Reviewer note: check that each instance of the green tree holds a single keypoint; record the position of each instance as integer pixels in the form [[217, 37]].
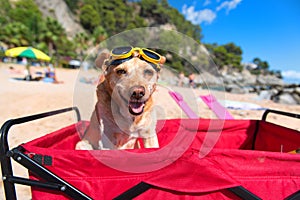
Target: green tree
[[16, 34], [261, 65], [220, 56], [66, 48], [232, 48], [4, 11], [116, 16], [226, 55], [148, 7], [109, 22], [81, 43], [73, 4], [27, 13], [51, 33], [99, 34], [163, 13], [89, 17]]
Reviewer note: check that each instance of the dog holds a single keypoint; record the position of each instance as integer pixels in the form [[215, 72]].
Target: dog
[[124, 110]]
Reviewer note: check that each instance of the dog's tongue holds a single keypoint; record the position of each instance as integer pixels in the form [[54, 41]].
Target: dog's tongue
[[136, 108]]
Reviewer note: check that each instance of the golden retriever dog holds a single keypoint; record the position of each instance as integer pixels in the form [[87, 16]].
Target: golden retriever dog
[[124, 110]]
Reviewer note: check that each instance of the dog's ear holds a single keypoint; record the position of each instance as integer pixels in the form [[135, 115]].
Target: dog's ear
[[162, 60], [101, 60]]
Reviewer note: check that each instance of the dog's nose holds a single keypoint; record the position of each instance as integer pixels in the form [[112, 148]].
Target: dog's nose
[[137, 92]]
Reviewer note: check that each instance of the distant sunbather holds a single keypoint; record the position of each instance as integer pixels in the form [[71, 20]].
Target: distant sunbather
[[13, 70], [50, 75]]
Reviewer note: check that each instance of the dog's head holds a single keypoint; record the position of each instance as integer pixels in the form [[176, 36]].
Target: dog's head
[[131, 82]]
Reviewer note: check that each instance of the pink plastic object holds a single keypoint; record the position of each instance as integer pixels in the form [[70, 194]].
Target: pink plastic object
[[216, 107], [182, 104]]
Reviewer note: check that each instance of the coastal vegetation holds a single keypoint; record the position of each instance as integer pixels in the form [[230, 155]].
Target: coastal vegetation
[[23, 24]]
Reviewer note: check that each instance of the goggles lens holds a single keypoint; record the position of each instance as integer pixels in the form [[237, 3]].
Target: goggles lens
[[121, 50], [151, 54]]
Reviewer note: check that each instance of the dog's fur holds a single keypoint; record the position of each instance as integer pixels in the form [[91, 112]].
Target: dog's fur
[[124, 110]]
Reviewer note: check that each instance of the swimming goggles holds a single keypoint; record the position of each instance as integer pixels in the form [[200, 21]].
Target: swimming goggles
[[122, 54]]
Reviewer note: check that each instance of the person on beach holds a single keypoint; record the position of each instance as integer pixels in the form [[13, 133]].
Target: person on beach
[[191, 80], [50, 75], [181, 78]]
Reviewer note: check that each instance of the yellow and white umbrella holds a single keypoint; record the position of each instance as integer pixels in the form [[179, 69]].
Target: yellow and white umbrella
[[27, 52]]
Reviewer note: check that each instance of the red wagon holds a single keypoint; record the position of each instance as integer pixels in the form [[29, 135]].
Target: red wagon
[[250, 160]]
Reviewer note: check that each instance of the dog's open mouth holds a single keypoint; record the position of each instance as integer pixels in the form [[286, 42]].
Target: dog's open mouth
[[136, 107]]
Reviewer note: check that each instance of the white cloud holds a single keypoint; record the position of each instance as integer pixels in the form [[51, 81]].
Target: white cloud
[[206, 2], [291, 74], [229, 5], [198, 17]]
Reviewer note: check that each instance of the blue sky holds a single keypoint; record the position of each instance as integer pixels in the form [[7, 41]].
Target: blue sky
[[268, 29]]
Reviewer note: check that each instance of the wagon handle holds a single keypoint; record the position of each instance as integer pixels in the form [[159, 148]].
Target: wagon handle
[[6, 166], [264, 117], [8, 124]]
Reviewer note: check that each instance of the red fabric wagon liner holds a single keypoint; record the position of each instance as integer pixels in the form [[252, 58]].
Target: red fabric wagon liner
[[263, 170]]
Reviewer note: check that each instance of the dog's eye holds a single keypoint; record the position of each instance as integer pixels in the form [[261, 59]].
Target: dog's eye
[[121, 71], [148, 72]]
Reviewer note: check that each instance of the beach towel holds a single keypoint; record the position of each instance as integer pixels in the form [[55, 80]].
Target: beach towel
[[238, 105]]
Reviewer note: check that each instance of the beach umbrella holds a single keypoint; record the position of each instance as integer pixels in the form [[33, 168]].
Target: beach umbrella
[[27, 52]]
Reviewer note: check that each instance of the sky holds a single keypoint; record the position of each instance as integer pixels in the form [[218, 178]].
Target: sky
[[267, 29]]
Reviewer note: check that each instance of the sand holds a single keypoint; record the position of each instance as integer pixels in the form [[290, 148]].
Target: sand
[[23, 98]]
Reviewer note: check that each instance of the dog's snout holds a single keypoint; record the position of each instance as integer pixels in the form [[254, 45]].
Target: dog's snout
[[137, 92]]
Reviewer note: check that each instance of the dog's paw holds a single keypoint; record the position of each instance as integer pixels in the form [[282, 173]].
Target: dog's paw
[[83, 145], [151, 142]]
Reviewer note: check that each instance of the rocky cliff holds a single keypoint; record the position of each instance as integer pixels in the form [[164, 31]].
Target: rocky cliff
[[59, 10]]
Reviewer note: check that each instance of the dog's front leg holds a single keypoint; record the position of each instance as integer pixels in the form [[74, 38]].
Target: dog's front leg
[[83, 145], [151, 142], [92, 135]]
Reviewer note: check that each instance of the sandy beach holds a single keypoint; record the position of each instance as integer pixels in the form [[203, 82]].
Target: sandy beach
[[22, 98]]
